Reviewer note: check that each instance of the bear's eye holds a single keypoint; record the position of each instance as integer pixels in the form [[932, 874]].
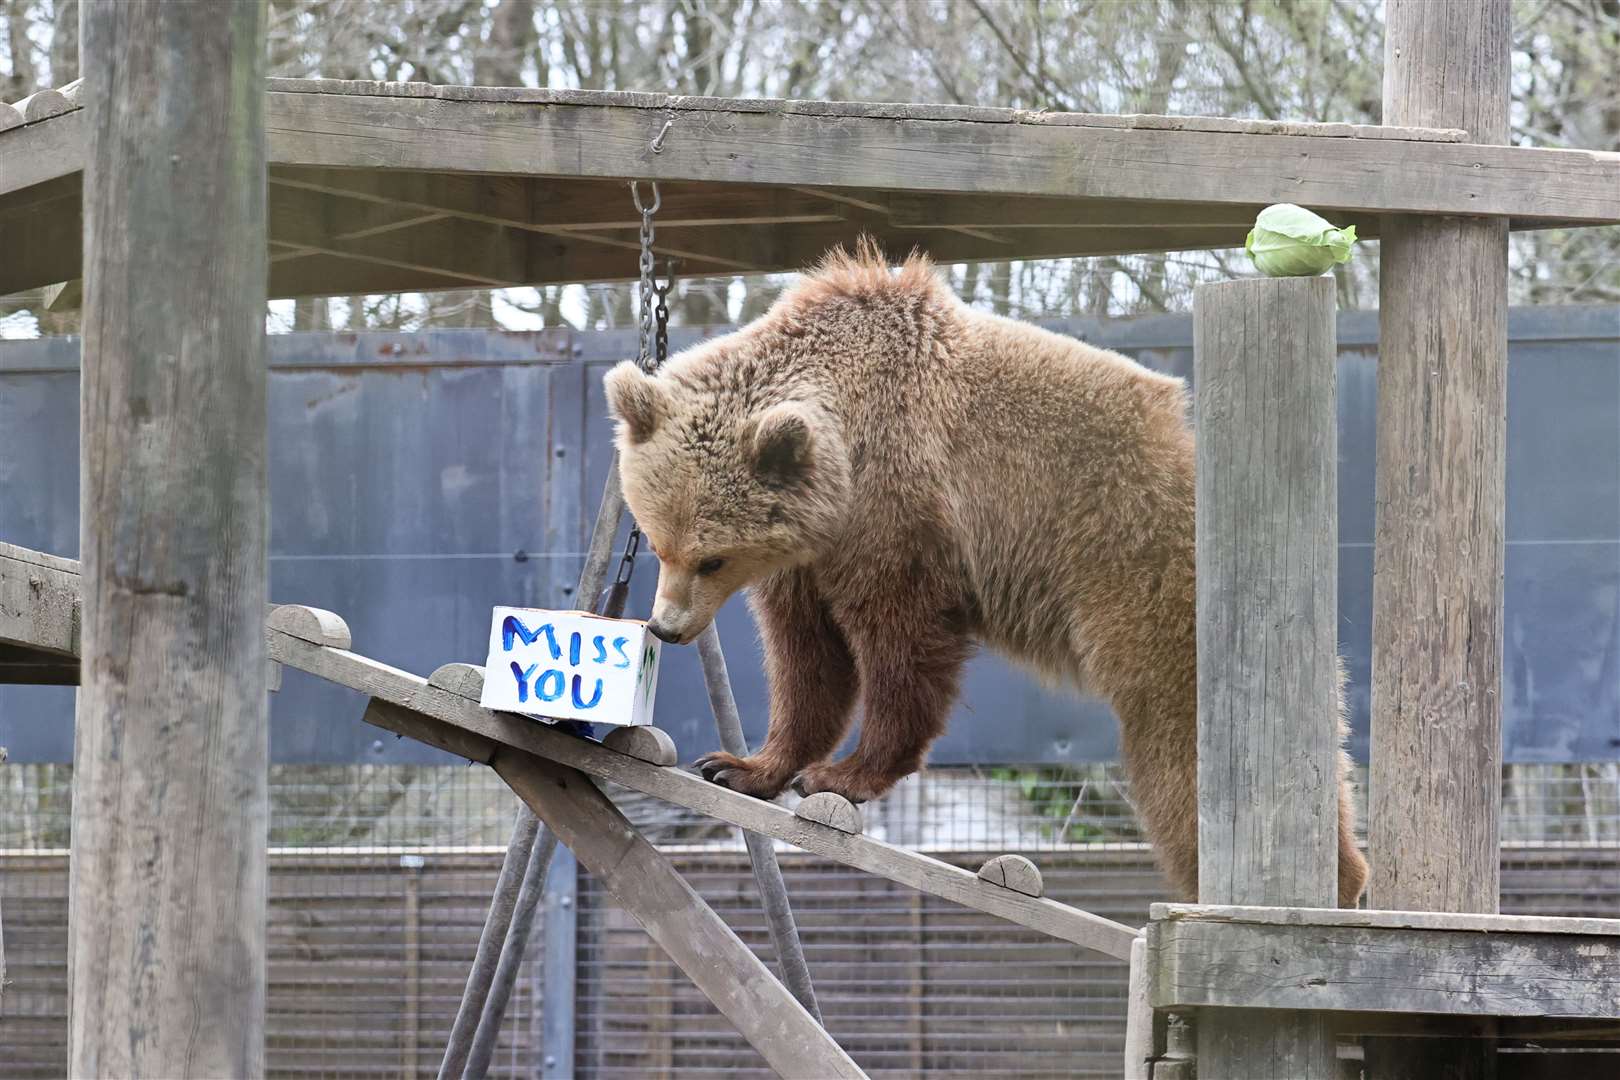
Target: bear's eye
[[710, 566]]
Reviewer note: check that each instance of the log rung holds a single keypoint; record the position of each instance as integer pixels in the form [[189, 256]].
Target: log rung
[[644, 743], [314, 625], [830, 809], [1013, 872]]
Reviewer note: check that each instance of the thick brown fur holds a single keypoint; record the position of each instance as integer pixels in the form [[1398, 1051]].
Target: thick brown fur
[[895, 476]]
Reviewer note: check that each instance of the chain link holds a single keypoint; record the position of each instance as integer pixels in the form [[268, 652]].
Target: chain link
[[644, 355]]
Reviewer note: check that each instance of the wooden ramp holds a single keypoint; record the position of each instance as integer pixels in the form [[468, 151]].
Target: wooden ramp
[[551, 771]]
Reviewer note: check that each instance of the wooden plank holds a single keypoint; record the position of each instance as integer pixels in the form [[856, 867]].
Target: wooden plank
[[685, 789], [609, 140], [48, 231], [1207, 963], [646, 886], [558, 204], [863, 109], [1461, 922], [1267, 532], [38, 593], [170, 805], [35, 153], [36, 667], [990, 212]]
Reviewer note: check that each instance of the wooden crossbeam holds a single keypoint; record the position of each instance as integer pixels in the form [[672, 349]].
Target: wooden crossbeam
[[559, 204], [1384, 961], [608, 136]]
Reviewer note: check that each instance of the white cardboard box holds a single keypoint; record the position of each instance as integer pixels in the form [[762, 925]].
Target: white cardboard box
[[571, 665]]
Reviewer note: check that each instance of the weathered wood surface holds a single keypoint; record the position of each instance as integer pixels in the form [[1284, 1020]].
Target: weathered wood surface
[[37, 600], [832, 810], [649, 744], [646, 886], [42, 105], [170, 807], [1377, 919], [1013, 872], [906, 147], [314, 625], [1267, 533], [1438, 544], [685, 789], [1216, 963]]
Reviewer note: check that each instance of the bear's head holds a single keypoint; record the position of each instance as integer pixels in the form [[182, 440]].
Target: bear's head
[[728, 490]]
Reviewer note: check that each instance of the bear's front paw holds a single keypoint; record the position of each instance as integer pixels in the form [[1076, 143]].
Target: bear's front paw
[[855, 784], [746, 775]]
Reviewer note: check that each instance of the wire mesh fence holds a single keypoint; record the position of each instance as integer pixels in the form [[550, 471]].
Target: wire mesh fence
[[379, 877]]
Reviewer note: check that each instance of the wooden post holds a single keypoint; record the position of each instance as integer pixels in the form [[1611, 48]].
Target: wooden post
[[167, 893], [1435, 784], [1267, 534]]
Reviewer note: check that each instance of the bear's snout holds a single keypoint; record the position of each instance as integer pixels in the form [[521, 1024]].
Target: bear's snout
[[663, 633]]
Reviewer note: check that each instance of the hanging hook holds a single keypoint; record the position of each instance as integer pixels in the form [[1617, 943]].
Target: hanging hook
[[657, 145]]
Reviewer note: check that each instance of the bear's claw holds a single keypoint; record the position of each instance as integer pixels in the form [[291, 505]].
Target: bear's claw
[[734, 773]]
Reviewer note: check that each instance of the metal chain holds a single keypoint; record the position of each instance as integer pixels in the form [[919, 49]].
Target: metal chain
[[661, 316], [653, 351], [644, 355]]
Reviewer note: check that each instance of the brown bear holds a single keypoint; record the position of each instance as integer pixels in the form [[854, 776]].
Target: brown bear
[[895, 476]]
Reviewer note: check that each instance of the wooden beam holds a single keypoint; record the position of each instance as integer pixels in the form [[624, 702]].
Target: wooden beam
[[44, 242], [644, 884], [1383, 962], [561, 204], [166, 953], [608, 136], [914, 211], [475, 253], [20, 665], [39, 600], [686, 789], [1267, 534]]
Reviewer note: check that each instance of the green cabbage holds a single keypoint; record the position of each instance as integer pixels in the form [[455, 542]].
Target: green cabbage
[[1290, 241]]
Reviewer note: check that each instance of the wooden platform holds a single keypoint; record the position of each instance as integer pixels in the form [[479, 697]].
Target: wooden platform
[[1552, 976], [379, 187]]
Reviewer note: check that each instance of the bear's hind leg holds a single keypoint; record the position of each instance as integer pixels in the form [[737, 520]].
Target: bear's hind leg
[[812, 681], [908, 684]]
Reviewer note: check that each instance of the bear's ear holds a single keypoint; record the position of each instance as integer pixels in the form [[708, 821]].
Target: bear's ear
[[637, 400], [784, 444]]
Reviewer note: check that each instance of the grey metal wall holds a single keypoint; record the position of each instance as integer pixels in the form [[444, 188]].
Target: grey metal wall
[[417, 480]]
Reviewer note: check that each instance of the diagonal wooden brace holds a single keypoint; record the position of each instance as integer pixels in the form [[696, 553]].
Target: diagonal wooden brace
[[644, 884], [647, 887]]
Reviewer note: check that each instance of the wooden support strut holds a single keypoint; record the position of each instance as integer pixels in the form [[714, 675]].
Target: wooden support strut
[[1267, 532], [166, 950], [1435, 782]]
